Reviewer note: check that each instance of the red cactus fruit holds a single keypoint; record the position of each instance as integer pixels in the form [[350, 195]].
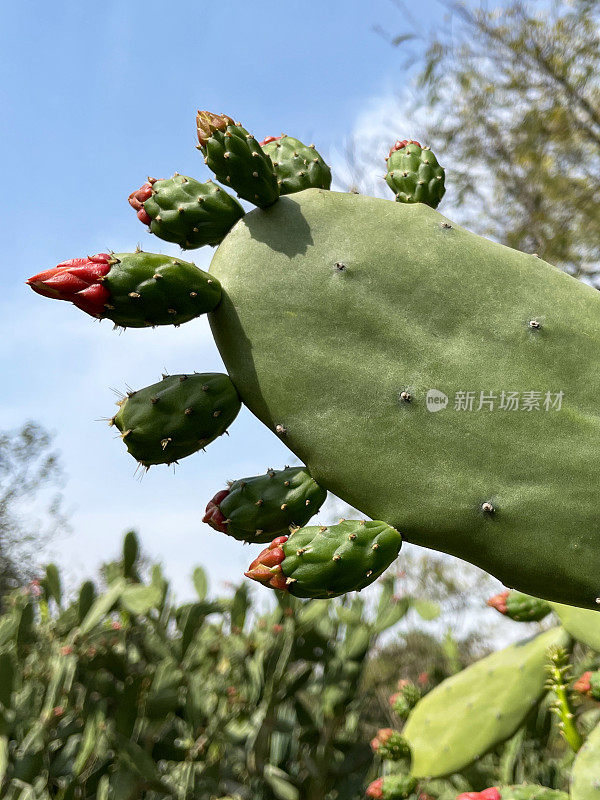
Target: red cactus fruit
[[583, 684], [493, 793], [78, 280], [383, 736], [266, 569], [269, 139], [139, 197], [375, 789], [402, 143], [213, 515], [498, 601]]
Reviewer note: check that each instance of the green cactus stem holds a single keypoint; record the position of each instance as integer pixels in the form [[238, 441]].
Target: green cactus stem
[[559, 674]]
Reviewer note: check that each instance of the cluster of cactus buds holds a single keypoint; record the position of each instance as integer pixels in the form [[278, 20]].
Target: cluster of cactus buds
[[405, 699], [390, 745]]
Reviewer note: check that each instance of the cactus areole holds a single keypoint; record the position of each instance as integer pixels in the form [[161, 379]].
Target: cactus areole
[[429, 377]]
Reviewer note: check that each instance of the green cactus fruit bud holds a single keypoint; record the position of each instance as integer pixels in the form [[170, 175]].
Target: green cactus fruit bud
[[520, 607], [589, 684], [323, 562], [134, 290], [260, 508], [390, 745], [406, 698], [185, 211], [176, 417], [414, 175], [237, 159], [391, 787], [585, 778], [297, 165]]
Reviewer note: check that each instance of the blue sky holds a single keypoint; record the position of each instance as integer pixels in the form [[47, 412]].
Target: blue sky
[[95, 97]]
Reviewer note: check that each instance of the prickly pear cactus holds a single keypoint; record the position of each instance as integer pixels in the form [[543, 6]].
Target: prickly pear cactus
[[261, 508], [346, 321], [471, 712], [585, 778], [414, 175], [134, 290]]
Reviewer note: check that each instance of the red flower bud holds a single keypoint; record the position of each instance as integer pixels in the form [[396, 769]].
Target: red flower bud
[[139, 197], [78, 280], [583, 684], [498, 602], [375, 789], [266, 569], [402, 143], [207, 123], [213, 515], [492, 793], [269, 139]]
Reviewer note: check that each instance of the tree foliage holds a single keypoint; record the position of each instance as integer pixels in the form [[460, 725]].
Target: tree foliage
[[30, 505], [513, 108]]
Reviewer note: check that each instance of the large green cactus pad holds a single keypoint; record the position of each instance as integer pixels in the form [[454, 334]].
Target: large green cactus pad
[[585, 778], [581, 623], [341, 312], [471, 712]]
